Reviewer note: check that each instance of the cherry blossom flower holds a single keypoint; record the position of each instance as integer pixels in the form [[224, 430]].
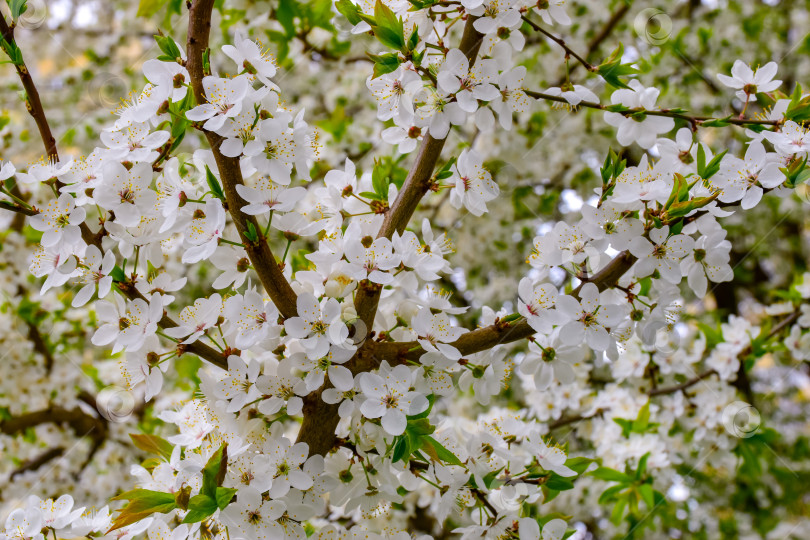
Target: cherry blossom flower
[[436, 332], [127, 324], [249, 56], [744, 179], [59, 221], [468, 84], [640, 129], [224, 100], [748, 81], [318, 325], [253, 319], [204, 231], [252, 517], [197, 318], [127, 192], [237, 387], [661, 252], [474, 186], [268, 196], [96, 274], [389, 398], [590, 318]]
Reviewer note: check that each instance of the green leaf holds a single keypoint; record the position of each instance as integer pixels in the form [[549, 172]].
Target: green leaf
[[350, 11], [611, 493], [799, 108], [213, 184], [713, 166], [251, 234], [167, 45], [118, 274], [618, 511], [147, 8], [401, 449], [420, 426], [612, 69], [17, 8], [716, 122], [142, 504], [371, 195], [642, 466], [285, 14], [388, 28], [683, 208], [578, 464], [647, 496], [611, 475], [559, 483], [643, 420], [214, 472], [199, 508], [225, 496], [380, 181], [442, 453], [384, 63], [413, 41], [152, 444]]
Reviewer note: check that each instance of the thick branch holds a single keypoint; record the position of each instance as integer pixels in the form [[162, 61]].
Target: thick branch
[[499, 333], [34, 106], [262, 258], [415, 187], [82, 424], [320, 418], [37, 462], [40, 345]]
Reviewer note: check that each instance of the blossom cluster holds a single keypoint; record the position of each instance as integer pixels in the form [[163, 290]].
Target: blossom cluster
[[348, 329]]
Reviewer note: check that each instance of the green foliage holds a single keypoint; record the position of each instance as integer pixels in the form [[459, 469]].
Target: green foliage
[[142, 504], [168, 47], [17, 7], [152, 444], [639, 425], [213, 184], [613, 71], [631, 490]]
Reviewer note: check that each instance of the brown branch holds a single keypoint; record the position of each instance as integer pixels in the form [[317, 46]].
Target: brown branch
[[38, 461], [13, 207], [598, 39], [671, 113], [320, 418], [32, 101], [559, 41], [683, 386], [781, 325], [568, 420], [262, 258], [34, 106], [40, 346], [198, 347], [501, 332], [82, 424], [415, 187]]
